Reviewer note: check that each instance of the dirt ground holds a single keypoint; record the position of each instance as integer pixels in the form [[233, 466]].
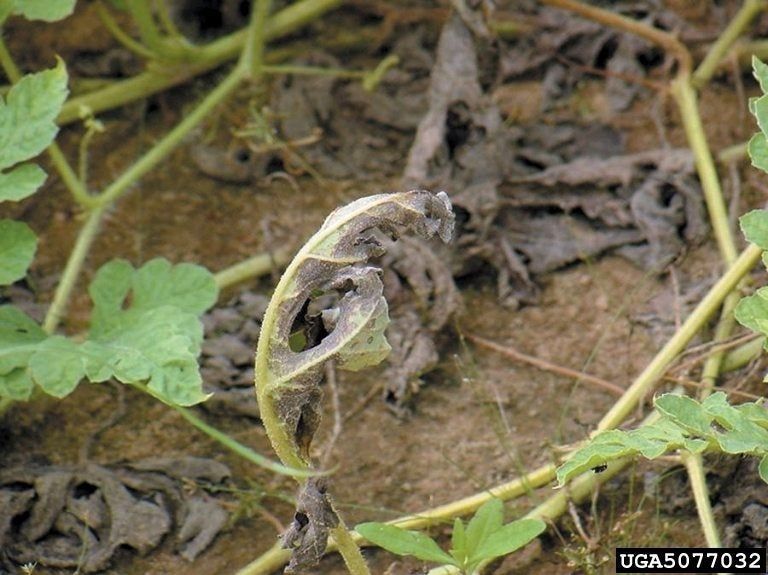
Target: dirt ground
[[479, 418]]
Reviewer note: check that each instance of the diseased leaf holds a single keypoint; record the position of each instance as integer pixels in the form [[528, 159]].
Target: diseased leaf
[[28, 115], [507, 539], [307, 536], [45, 10], [403, 542], [17, 249], [332, 261], [21, 182]]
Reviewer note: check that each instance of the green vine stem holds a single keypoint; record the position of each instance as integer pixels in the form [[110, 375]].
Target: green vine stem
[[686, 99], [72, 270], [119, 34], [256, 266], [706, 308], [142, 15], [698, 479], [253, 52], [742, 355], [277, 556], [200, 60], [743, 18], [235, 446]]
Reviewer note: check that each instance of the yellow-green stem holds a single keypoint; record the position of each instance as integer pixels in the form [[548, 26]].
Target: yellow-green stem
[[253, 53], [256, 266], [748, 11], [349, 550], [119, 34], [685, 96], [199, 60], [276, 557], [695, 468], [72, 270], [700, 315]]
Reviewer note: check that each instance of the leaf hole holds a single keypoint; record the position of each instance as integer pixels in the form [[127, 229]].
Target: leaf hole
[[83, 490]]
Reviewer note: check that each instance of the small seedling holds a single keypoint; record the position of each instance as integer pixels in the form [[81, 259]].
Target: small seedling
[[482, 540]]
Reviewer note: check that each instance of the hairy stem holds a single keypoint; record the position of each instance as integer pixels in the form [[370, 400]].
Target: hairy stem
[[698, 478], [233, 445]]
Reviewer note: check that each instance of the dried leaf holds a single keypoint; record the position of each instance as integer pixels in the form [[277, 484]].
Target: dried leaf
[[307, 536], [80, 516], [331, 261]]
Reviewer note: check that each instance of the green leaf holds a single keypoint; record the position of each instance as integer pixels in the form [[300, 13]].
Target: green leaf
[[145, 327], [760, 72], [752, 311], [57, 366], [159, 346], [17, 249], [487, 519], [754, 226], [20, 182], [459, 550], [763, 468], [685, 412], [757, 148], [739, 434], [188, 287], [16, 385], [403, 542], [19, 336], [28, 115], [509, 538], [46, 10]]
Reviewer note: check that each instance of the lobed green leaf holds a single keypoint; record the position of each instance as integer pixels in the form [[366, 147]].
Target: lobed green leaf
[[45, 10], [28, 115], [19, 336], [684, 424], [20, 182], [18, 244], [754, 226]]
